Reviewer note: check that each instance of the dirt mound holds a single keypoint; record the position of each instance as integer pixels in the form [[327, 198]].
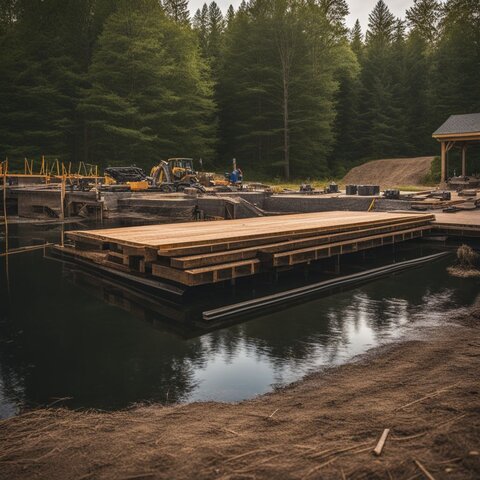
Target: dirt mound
[[390, 172], [326, 426]]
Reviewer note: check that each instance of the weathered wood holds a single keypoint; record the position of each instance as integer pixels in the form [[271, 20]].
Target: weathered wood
[[381, 443], [213, 274], [305, 255], [443, 175], [263, 240], [239, 248], [196, 261], [168, 236]]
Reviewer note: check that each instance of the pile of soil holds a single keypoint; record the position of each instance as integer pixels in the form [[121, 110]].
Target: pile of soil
[[391, 172], [425, 391]]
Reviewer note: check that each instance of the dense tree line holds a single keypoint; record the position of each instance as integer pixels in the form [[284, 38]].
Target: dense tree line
[[282, 85]]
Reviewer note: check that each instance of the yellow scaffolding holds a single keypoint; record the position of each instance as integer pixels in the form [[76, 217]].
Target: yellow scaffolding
[[52, 170]]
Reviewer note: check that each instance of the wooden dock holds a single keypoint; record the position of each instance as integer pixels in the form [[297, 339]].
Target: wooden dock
[[464, 224], [197, 253]]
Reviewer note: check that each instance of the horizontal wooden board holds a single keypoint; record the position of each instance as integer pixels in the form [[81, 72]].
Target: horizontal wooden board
[[170, 236], [196, 261], [213, 274], [305, 255]]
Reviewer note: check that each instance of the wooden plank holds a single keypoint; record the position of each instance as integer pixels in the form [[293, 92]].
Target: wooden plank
[[196, 261], [262, 240], [306, 255], [197, 233], [226, 271], [213, 274]]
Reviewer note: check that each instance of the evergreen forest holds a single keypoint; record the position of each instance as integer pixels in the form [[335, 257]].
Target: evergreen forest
[[284, 86]]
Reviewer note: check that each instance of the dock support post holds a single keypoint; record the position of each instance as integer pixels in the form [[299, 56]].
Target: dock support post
[[337, 264], [62, 199], [443, 175], [464, 162]]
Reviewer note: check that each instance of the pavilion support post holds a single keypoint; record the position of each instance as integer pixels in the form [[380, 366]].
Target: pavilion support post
[[443, 176], [464, 160]]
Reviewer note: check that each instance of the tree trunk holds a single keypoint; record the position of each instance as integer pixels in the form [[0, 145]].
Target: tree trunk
[[286, 134]]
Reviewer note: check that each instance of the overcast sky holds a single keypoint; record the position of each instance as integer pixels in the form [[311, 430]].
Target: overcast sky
[[358, 8]]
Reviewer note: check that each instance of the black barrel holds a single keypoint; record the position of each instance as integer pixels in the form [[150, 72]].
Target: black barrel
[[333, 188], [368, 190], [351, 189]]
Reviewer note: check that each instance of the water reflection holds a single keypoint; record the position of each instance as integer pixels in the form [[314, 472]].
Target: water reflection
[[65, 332]]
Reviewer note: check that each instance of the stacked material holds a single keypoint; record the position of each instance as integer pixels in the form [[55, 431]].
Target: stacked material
[[197, 253]]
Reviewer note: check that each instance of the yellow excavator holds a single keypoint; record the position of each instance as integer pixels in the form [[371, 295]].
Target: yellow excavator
[[174, 175]]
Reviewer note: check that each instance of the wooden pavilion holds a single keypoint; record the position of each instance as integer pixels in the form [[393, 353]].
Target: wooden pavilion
[[458, 131]]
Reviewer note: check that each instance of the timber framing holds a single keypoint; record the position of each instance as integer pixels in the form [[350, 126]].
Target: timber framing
[[199, 253], [457, 131]]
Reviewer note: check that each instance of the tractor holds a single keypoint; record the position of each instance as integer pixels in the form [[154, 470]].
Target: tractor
[[174, 175]]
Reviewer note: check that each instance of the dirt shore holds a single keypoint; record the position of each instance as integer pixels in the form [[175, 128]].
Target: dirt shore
[[427, 392]]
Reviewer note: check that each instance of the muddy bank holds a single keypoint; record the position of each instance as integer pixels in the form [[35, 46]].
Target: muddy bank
[[426, 391]]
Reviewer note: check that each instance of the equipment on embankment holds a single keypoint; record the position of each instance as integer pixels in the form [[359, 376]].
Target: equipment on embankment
[[126, 178], [175, 175]]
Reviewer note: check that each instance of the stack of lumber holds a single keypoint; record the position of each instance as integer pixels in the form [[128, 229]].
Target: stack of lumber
[[197, 253]]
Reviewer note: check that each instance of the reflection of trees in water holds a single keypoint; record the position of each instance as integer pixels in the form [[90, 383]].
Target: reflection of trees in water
[[75, 345], [12, 389]]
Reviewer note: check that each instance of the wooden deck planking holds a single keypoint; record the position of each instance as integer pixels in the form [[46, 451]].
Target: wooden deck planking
[[199, 260], [196, 253], [212, 274], [195, 233], [305, 255]]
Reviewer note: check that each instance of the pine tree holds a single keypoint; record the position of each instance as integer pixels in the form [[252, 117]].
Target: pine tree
[[423, 18], [345, 151], [381, 24], [230, 15], [46, 54], [150, 97], [356, 39], [377, 126], [455, 85], [216, 25], [278, 84], [335, 12], [177, 10], [200, 25]]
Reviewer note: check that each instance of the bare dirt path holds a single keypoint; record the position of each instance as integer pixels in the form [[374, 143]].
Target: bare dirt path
[[426, 392], [390, 172]]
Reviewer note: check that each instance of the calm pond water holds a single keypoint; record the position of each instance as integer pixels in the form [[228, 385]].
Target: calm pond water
[[66, 333]]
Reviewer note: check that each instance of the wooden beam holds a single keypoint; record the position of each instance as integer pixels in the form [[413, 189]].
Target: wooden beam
[[443, 163], [455, 136], [464, 163], [202, 260]]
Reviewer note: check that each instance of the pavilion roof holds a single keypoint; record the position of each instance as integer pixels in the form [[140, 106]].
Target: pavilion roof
[[459, 124]]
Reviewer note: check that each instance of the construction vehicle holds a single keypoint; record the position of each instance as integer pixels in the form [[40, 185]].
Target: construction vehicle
[[174, 175], [126, 178]]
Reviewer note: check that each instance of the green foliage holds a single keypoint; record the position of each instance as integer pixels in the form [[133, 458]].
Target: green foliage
[[177, 10], [433, 177], [150, 96], [281, 85], [277, 103]]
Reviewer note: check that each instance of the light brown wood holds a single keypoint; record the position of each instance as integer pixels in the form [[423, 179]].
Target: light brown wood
[[443, 162], [381, 443], [199, 260], [195, 233], [225, 250]]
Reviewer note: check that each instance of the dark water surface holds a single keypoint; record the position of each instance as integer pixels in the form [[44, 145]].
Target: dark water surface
[[65, 333]]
